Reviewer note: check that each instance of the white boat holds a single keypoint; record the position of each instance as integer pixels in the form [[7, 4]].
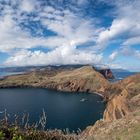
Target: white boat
[[83, 100]]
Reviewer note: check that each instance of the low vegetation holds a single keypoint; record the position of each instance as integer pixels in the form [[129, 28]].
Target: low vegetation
[[16, 133], [22, 130]]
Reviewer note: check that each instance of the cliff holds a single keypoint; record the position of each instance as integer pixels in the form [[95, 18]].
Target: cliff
[[117, 107], [124, 98], [107, 73]]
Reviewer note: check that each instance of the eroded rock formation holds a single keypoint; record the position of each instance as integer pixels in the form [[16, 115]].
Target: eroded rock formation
[[117, 107], [107, 73]]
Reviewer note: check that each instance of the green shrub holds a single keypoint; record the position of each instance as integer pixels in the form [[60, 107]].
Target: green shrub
[[16, 137], [2, 135]]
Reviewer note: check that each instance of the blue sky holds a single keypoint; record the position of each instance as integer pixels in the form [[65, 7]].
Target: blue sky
[[54, 32]]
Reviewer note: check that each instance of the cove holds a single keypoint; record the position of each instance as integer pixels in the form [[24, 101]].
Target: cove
[[64, 110]]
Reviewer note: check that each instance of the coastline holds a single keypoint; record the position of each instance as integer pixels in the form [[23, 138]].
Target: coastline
[[116, 107]]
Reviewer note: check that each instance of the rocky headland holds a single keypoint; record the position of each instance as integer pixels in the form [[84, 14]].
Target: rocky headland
[[123, 98], [84, 79]]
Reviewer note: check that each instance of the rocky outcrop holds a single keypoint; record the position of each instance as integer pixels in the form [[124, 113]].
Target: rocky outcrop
[[107, 73], [117, 107], [123, 98]]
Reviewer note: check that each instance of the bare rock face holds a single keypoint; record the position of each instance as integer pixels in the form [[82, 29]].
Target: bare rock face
[[124, 98], [117, 107], [84, 79], [107, 73]]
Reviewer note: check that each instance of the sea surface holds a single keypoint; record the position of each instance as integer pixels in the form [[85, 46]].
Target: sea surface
[[121, 75], [63, 110]]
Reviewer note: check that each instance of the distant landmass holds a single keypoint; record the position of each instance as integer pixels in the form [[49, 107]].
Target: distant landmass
[[31, 68], [111, 74], [105, 71], [119, 70]]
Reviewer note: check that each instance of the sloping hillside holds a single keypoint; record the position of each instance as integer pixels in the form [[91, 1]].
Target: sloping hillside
[[84, 79]]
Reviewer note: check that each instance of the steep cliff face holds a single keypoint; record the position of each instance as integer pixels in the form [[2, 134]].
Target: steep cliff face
[[84, 79], [117, 107], [107, 73], [124, 98]]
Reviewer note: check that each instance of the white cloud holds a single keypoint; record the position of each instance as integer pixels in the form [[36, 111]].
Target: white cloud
[[82, 2], [113, 55], [125, 28], [116, 66], [71, 27], [27, 5], [13, 37], [126, 24], [125, 51], [132, 41], [128, 51], [71, 30], [61, 55], [68, 28], [117, 28]]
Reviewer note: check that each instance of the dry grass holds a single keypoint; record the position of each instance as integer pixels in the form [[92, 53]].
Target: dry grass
[[24, 131]]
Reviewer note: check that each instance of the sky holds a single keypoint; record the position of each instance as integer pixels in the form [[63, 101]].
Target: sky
[[59, 32]]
